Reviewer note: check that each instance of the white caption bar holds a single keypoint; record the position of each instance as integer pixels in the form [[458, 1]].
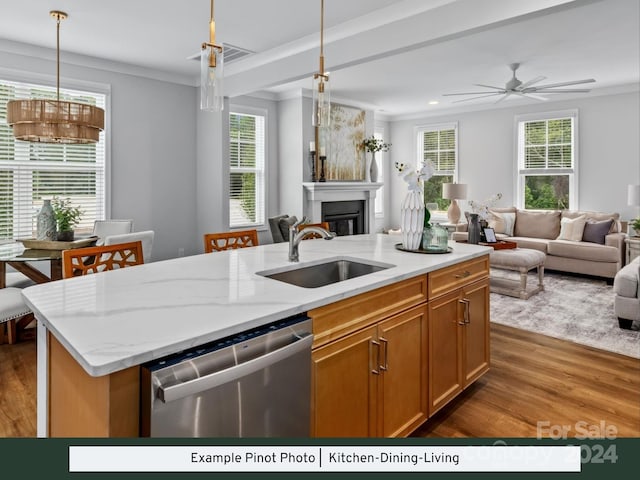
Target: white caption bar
[[324, 459]]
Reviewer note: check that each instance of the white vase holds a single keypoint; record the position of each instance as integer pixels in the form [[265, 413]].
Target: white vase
[[46, 223], [373, 170], [367, 168], [412, 220]]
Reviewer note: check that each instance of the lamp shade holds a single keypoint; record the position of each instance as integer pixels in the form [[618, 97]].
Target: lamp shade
[[633, 196], [454, 191]]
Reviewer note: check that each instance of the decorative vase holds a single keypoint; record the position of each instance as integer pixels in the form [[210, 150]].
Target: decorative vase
[[46, 223], [474, 228], [435, 238], [367, 169], [412, 220], [373, 169]]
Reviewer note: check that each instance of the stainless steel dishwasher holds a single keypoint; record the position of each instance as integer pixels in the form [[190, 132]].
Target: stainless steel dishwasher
[[254, 384]]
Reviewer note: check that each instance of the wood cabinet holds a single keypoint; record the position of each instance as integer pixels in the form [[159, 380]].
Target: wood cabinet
[[372, 383], [458, 341]]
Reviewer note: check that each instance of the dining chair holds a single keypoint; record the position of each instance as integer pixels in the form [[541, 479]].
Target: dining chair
[[81, 261], [104, 228], [14, 314], [216, 242], [146, 237], [310, 235]]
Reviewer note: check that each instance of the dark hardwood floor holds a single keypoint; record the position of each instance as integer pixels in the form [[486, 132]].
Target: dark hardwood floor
[[533, 378]]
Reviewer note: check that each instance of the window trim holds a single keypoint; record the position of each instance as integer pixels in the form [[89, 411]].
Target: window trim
[[256, 111], [40, 81], [520, 172]]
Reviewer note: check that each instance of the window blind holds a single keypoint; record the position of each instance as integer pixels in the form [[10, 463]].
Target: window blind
[[548, 143], [31, 172], [439, 146], [247, 170]]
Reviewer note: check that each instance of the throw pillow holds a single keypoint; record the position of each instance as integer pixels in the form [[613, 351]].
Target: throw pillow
[[502, 222], [572, 228], [595, 232], [538, 224]]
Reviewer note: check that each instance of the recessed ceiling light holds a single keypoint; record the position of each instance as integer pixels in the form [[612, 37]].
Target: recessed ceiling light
[[434, 102]]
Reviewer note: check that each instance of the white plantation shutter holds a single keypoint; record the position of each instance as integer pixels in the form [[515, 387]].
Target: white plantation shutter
[[31, 172], [438, 144], [247, 170]]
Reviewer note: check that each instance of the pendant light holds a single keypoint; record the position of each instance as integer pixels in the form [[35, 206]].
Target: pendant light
[[211, 63], [55, 121], [321, 96]]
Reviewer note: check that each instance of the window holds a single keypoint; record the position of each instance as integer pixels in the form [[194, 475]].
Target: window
[[247, 170], [438, 143], [30, 172], [547, 161]]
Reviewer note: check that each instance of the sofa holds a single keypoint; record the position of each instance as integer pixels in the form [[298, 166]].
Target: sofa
[[582, 242], [626, 302]]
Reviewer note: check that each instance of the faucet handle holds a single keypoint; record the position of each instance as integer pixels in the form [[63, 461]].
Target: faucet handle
[[298, 223]]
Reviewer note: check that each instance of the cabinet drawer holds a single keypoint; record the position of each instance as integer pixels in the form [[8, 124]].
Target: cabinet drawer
[[449, 278], [346, 316]]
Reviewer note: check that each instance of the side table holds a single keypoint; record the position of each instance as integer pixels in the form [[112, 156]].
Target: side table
[[633, 248]]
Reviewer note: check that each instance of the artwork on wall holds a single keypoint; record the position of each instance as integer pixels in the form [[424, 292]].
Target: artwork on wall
[[345, 160]]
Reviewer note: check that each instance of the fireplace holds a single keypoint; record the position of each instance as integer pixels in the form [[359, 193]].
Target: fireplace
[[344, 218], [348, 205]]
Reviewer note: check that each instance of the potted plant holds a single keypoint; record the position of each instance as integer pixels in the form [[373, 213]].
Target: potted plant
[[67, 217], [374, 145], [635, 225]]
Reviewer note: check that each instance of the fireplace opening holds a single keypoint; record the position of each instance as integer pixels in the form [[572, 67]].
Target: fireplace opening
[[344, 218]]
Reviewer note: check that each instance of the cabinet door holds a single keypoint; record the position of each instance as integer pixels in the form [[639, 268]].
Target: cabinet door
[[402, 385], [445, 343], [476, 331], [343, 386]]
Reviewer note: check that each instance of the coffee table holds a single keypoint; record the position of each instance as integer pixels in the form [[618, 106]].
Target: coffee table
[[520, 260]]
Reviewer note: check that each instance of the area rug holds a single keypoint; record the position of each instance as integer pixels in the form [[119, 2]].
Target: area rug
[[573, 308]]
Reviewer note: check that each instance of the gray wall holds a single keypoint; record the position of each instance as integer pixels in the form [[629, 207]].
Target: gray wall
[[152, 148], [609, 152]]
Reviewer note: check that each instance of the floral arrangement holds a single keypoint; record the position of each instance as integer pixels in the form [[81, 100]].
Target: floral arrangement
[[413, 177], [482, 208], [373, 144]]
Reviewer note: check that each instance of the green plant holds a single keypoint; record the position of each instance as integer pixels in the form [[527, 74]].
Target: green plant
[[66, 215], [635, 223], [373, 144]]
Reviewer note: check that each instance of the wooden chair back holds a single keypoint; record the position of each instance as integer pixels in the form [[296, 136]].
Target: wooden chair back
[[324, 225], [81, 261], [216, 242]]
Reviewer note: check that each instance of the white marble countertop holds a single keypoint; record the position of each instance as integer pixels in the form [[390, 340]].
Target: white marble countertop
[[113, 320]]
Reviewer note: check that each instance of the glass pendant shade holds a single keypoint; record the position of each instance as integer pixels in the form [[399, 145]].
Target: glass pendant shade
[[321, 101], [211, 78]]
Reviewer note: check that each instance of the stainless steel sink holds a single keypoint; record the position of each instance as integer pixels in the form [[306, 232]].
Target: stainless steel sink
[[326, 273]]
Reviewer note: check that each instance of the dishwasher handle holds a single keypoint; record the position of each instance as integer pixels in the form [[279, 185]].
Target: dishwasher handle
[[192, 387]]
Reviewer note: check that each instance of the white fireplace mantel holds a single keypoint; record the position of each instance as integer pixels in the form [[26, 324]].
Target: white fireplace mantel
[[318, 192]]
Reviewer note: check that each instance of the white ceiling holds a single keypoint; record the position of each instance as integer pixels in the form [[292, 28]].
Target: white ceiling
[[393, 56]]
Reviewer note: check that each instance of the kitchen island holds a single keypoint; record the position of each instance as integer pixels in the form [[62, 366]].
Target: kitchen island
[[95, 331]]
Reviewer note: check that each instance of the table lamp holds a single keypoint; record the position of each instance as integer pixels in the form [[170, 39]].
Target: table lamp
[[453, 192], [633, 200]]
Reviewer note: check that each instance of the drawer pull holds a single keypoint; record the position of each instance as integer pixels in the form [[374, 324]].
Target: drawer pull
[[464, 274], [385, 364], [467, 314]]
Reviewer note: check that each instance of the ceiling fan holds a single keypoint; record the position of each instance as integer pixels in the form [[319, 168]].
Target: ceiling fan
[[526, 89]]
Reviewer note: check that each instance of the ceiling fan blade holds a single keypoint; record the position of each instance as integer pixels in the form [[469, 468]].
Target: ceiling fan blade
[[502, 98], [489, 86], [531, 95], [560, 90], [564, 84], [475, 98], [468, 93], [531, 82]]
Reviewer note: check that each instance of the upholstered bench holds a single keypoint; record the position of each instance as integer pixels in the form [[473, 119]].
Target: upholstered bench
[[521, 260], [627, 289]]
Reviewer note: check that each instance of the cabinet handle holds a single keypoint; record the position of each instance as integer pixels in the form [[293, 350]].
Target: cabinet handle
[[467, 314], [371, 345], [464, 274], [385, 365]]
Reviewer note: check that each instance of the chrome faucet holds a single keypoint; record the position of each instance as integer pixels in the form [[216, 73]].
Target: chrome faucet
[[295, 237]]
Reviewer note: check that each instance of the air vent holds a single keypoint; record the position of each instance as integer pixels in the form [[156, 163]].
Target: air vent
[[231, 53]]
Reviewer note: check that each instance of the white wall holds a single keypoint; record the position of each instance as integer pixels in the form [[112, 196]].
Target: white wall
[[609, 152], [152, 148]]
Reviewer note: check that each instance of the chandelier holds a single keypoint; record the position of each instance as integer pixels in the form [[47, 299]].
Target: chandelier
[[55, 121]]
